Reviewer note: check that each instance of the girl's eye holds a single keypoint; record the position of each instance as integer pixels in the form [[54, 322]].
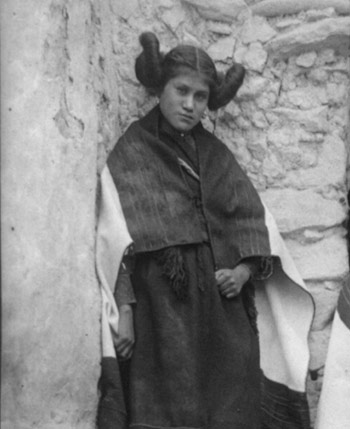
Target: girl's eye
[[201, 97], [182, 91]]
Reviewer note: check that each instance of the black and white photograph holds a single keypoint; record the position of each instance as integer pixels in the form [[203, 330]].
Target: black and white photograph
[[175, 221]]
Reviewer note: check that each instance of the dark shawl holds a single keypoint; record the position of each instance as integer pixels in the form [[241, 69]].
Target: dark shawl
[[159, 209]]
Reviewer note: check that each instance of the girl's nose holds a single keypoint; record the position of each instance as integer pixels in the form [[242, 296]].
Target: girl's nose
[[188, 102]]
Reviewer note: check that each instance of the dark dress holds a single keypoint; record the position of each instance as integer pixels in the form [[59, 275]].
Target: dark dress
[[196, 358]]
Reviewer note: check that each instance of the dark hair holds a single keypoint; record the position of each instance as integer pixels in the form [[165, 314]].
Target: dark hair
[[154, 69]]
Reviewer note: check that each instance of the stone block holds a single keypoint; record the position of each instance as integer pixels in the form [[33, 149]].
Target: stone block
[[222, 50], [277, 68], [312, 236], [220, 10], [219, 28], [315, 15], [329, 171], [239, 53], [255, 58], [268, 99], [306, 60], [295, 210], [331, 32], [288, 83], [282, 25], [313, 120], [315, 95], [318, 75], [337, 94], [304, 98], [326, 56], [286, 7], [324, 260], [252, 87], [257, 29]]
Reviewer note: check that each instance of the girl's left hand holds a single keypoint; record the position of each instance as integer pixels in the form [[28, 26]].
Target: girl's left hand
[[230, 282]]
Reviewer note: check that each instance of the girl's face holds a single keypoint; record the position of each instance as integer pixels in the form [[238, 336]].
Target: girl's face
[[184, 99]]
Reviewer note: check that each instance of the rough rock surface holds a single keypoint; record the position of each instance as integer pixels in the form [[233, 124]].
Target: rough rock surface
[[296, 210], [249, 33], [331, 32], [326, 259], [222, 50], [220, 10], [51, 305], [287, 7]]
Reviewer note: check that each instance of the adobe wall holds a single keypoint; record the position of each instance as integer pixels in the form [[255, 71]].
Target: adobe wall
[[50, 127]]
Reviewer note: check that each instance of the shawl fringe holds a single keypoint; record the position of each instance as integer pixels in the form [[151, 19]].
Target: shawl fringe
[[174, 270]]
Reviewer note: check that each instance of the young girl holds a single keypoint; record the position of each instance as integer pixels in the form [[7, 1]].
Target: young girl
[[187, 335]]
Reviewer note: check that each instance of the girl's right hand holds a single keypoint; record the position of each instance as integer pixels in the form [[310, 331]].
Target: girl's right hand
[[125, 338], [231, 281]]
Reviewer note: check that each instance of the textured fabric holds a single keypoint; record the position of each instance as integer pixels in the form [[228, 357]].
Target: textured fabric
[[111, 410], [196, 360], [172, 262], [184, 148], [283, 408], [159, 208]]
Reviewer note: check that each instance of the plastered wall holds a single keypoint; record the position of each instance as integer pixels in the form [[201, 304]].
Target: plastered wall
[[69, 90], [50, 297]]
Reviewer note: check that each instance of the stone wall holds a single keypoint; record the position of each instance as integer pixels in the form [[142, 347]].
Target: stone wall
[[69, 90]]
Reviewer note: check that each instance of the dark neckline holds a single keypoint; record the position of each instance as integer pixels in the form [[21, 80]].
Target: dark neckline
[[167, 128]]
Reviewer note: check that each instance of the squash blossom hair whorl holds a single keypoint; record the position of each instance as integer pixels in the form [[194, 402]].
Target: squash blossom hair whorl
[[154, 70]]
